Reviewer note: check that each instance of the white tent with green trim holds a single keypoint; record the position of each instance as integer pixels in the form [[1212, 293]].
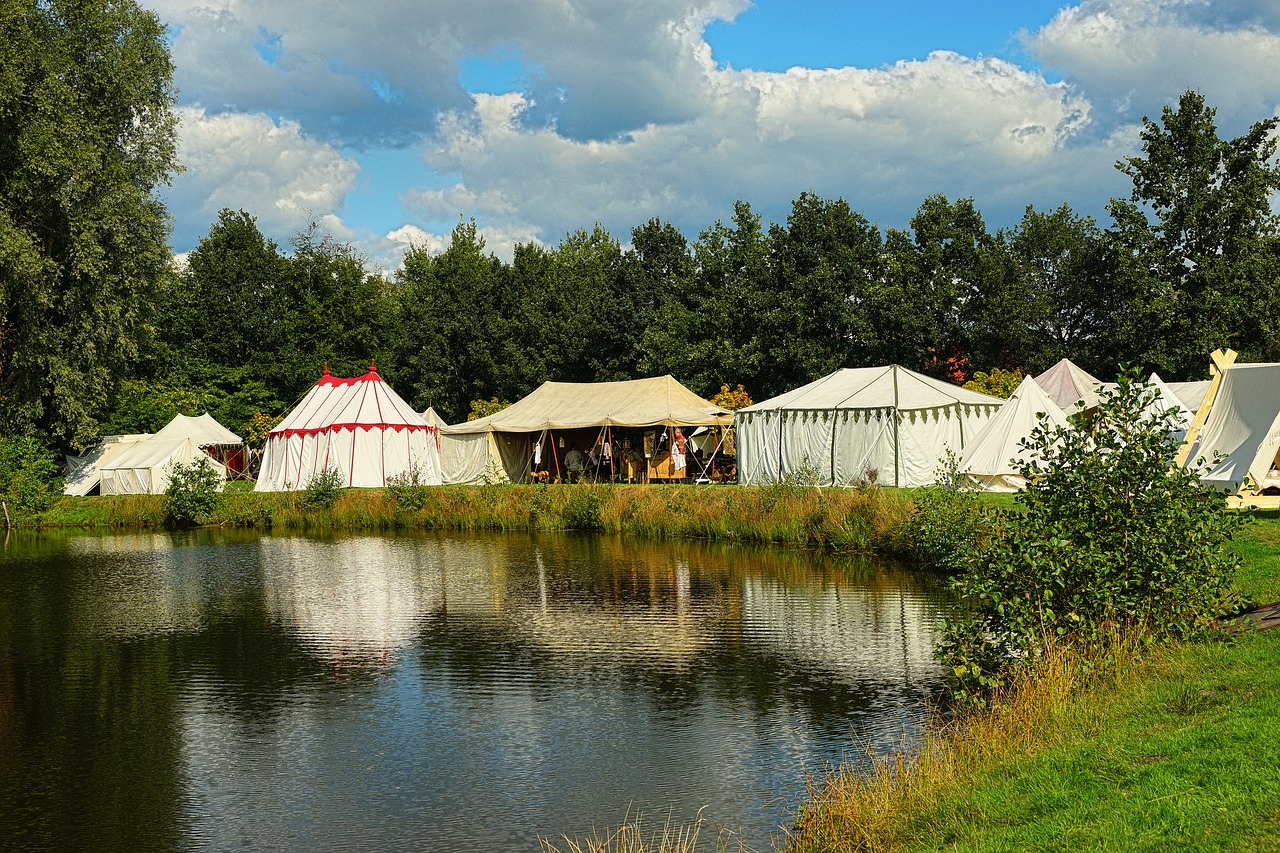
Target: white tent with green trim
[[834, 429]]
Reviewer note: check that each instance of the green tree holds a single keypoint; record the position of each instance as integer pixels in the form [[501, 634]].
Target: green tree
[[1192, 232], [87, 135]]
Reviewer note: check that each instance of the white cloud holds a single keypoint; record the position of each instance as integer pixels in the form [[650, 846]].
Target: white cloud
[[1134, 56], [622, 115], [269, 169]]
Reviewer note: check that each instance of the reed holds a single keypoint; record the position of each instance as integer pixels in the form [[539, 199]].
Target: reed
[[631, 836], [832, 519]]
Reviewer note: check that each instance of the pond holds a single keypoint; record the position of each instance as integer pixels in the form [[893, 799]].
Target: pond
[[220, 690]]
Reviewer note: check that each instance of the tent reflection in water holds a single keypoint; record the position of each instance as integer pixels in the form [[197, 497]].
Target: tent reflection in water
[[889, 418], [505, 445], [359, 427]]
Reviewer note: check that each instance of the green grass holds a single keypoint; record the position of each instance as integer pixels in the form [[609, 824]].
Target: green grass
[[1177, 748]]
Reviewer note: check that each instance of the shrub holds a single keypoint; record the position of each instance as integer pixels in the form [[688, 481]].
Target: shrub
[[29, 478], [582, 510], [323, 489], [1107, 535], [193, 492], [409, 488], [947, 521]]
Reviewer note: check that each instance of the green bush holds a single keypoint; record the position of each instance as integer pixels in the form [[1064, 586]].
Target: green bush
[[29, 480], [193, 493], [409, 488], [582, 510], [1108, 535], [947, 522], [323, 489]]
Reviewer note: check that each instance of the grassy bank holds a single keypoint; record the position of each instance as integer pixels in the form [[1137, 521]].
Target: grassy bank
[[1175, 748], [838, 519]]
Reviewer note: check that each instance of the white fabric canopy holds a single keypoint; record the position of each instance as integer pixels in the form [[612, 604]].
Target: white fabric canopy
[[360, 426], [1071, 386], [660, 401], [1165, 400], [1190, 393], [889, 418], [205, 431], [144, 468], [1243, 428], [990, 460], [84, 473], [500, 446]]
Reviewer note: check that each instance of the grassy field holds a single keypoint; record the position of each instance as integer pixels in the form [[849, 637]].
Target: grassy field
[[1175, 749]]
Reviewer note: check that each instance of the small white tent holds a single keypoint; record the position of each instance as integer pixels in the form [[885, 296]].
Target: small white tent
[[84, 473], [145, 468], [889, 418], [989, 460], [360, 427], [1165, 400]]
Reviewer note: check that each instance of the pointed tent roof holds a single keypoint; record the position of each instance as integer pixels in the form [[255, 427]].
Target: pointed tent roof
[[204, 431], [1068, 384], [1243, 426], [1166, 400], [364, 402], [432, 417], [993, 451], [580, 405], [888, 387]]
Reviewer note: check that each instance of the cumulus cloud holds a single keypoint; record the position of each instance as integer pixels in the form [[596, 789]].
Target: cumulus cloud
[[269, 169], [618, 113], [1134, 56]]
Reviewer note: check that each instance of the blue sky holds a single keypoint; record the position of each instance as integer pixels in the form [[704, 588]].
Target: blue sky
[[389, 126]]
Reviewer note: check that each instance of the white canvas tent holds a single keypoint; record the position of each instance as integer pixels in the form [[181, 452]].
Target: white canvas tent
[[504, 444], [360, 427], [889, 418], [464, 457], [84, 474], [989, 459], [1243, 428], [138, 464], [1165, 400], [1071, 386], [145, 468]]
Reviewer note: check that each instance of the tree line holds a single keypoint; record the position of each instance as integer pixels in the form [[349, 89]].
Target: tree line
[[99, 335]]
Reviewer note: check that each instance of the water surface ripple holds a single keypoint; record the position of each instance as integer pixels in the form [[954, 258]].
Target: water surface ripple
[[227, 691]]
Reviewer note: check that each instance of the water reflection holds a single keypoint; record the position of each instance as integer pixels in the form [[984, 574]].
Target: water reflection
[[444, 693]]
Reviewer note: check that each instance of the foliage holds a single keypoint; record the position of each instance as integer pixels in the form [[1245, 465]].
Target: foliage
[[193, 492], [1107, 533], [996, 382], [947, 524], [582, 509], [323, 489], [409, 488], [29, 478], [255, 432], [735, 399], [484, 408], [87, 137]]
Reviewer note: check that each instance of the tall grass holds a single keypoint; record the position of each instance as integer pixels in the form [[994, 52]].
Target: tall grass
[[835, 519], [891, 803]]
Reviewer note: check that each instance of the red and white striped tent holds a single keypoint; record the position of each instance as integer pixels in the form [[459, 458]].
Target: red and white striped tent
[[359, 426]]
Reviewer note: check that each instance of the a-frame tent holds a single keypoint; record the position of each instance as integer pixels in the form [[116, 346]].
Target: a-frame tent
[[1238, 425], [360, 426]]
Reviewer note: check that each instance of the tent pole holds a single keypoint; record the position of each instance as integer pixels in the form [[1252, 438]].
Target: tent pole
[[897, 448], [554, 458]]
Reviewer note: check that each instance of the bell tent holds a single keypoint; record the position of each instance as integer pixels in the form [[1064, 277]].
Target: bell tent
[[360, 427], [990, 458], [889, 418], [1071, 386]]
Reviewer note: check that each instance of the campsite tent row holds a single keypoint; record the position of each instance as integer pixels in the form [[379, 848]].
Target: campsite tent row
[[140, 464]]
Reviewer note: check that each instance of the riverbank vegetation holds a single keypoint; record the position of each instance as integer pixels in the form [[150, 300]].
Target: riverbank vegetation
[[872, 519]]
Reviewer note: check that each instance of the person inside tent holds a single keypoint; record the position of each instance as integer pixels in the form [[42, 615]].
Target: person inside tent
[[573, 463]]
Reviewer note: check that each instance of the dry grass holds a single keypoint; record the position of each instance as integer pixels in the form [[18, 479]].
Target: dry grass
[[632, 837], [890, 803]]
